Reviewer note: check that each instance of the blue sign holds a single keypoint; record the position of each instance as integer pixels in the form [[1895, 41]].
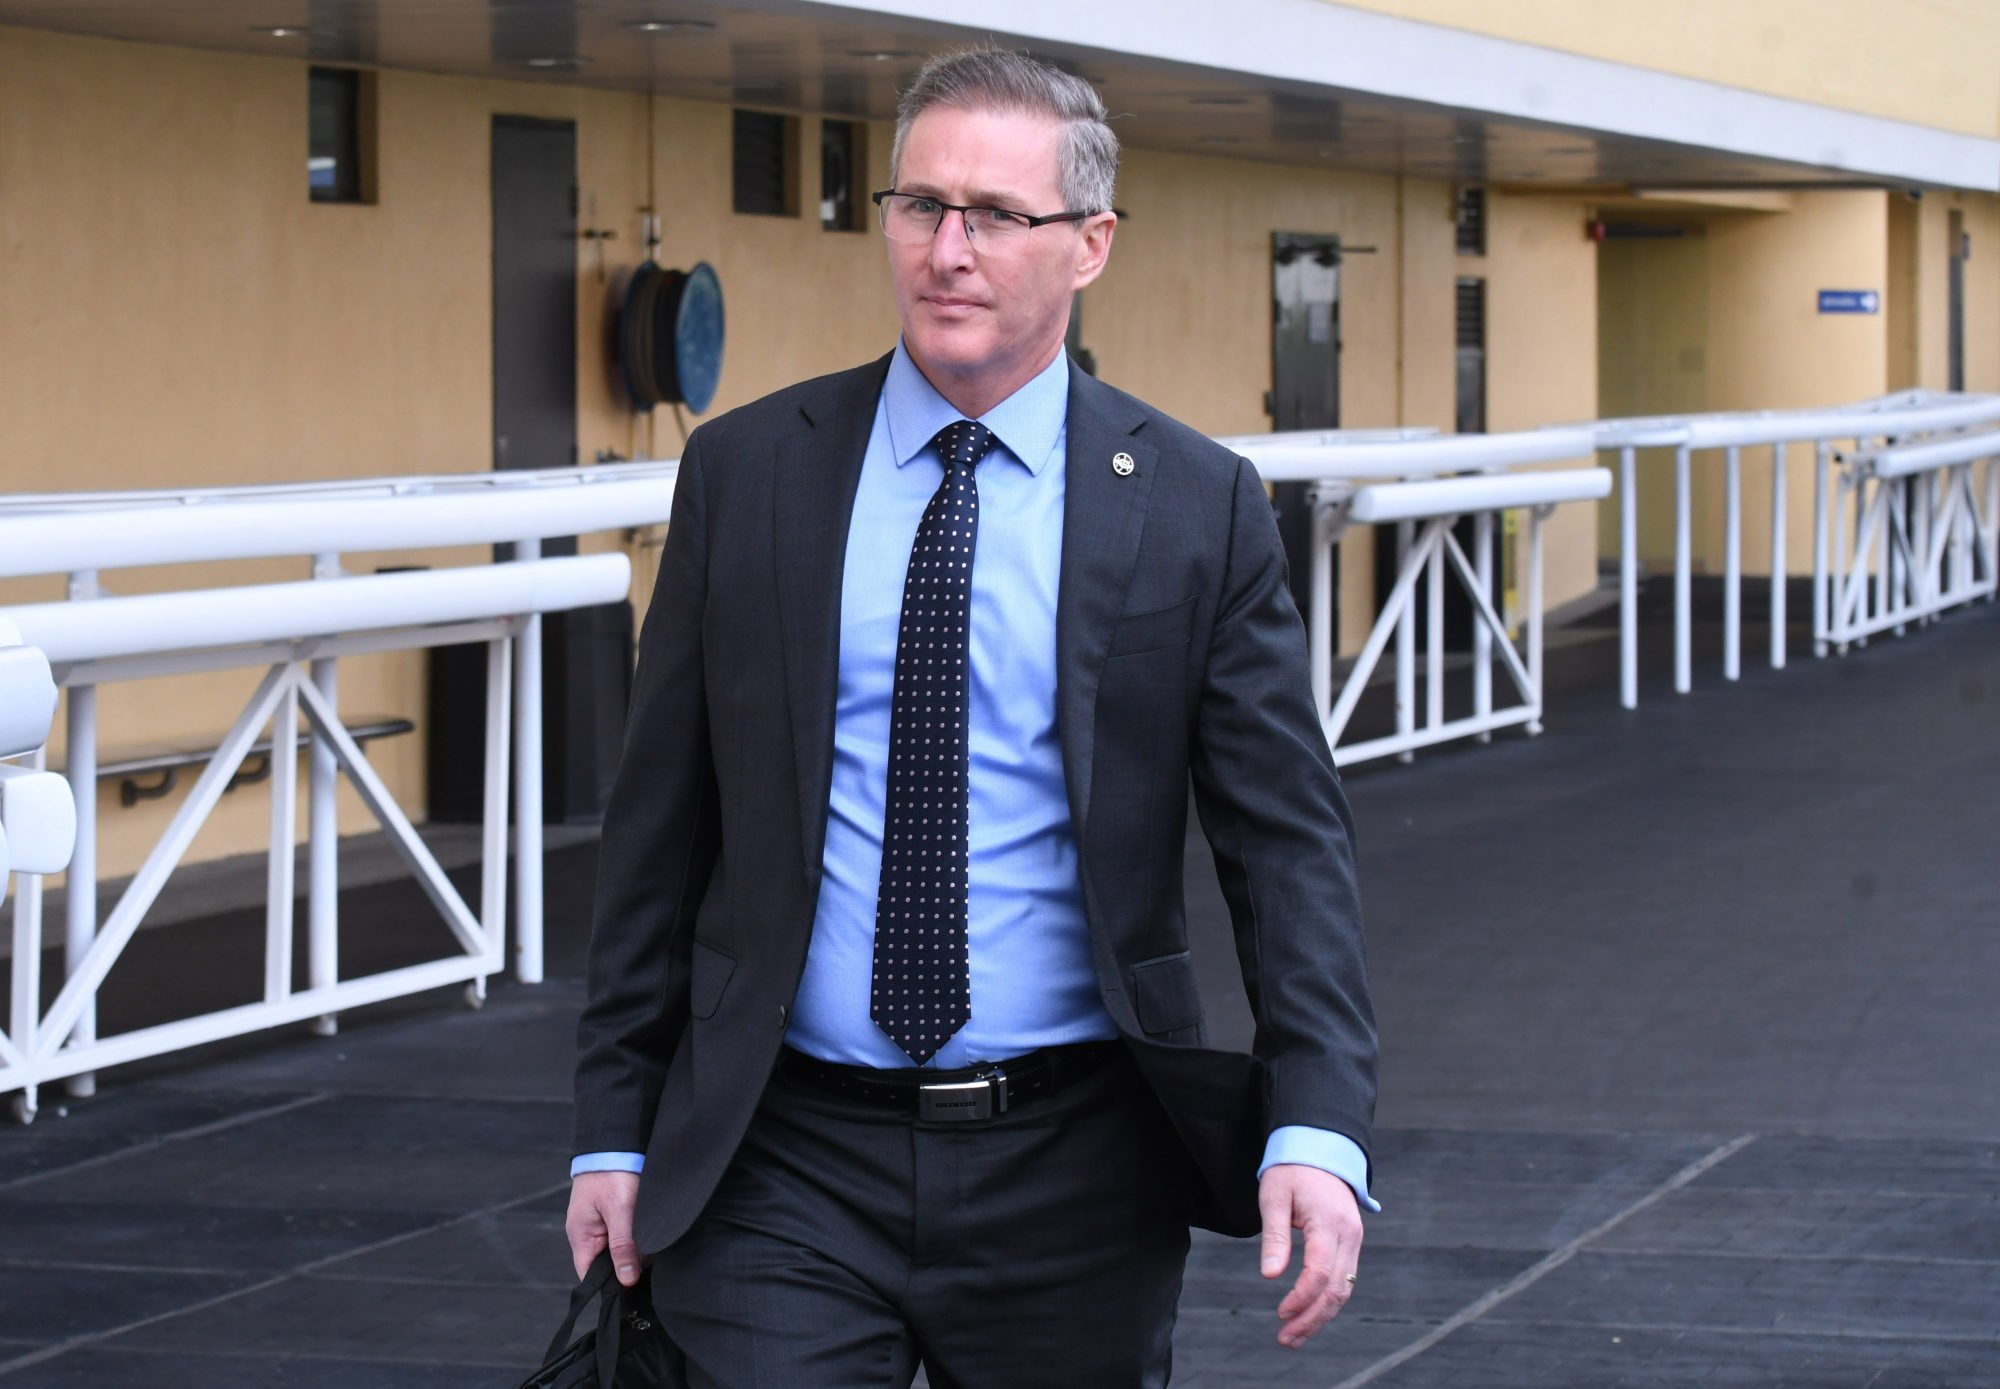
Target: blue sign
[[1849, 301]]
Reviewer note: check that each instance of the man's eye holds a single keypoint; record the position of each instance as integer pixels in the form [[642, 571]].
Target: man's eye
[[929, 207], [1001, 218]]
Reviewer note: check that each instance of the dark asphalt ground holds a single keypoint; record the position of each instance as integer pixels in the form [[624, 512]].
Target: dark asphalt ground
[[1688, 1079]]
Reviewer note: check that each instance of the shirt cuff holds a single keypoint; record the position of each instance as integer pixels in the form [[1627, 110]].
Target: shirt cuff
[[1321, 1148], [607, 1162]]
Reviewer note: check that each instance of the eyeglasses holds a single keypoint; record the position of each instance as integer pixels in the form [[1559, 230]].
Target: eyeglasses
[[912, 217]]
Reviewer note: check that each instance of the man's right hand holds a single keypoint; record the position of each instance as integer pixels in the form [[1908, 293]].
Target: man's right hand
[[600, 1216]]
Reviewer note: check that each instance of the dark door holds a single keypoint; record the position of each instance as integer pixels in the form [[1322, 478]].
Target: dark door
[[534, 295], [1469, 417], [586, 654], [1305, 378], [1955, 319]]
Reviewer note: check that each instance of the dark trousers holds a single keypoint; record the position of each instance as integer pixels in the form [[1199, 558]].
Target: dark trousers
[[847, 1244]]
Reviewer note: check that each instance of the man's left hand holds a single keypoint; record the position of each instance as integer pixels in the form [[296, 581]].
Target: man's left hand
[[1321, 1207]]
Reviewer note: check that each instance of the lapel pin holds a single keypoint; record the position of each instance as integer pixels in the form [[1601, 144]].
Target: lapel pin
[[1122, 464]]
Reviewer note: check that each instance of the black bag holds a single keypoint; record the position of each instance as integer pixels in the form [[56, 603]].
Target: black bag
[[627, 1350]]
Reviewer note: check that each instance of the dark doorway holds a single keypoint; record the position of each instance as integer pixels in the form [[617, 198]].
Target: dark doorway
[[1469, 417], [534, 296], [1955, 288], [586, 654], [1305, 379]]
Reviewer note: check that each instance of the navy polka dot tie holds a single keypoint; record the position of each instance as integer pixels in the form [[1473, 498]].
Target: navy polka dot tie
[[921, 994]]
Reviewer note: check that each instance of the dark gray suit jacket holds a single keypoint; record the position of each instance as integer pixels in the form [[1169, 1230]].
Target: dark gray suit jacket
[[1179, 653]]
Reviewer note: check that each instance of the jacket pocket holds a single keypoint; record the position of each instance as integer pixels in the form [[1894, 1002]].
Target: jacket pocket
[[1149, 631], [1164, 994], [710, 977]]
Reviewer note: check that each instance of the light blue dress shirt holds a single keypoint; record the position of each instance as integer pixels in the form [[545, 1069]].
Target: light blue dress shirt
[[1032, 980]]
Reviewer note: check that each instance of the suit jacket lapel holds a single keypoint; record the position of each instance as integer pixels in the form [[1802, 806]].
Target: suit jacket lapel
[[1104, 513], [818, 468]]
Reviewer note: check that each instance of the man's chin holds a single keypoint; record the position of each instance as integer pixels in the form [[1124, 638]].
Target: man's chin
[[956, 355]]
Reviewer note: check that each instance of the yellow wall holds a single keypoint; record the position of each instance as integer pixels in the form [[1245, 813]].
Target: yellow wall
[[1931, 63], [1652, 325], [179, 313], [1771, 349], [1541, 351]]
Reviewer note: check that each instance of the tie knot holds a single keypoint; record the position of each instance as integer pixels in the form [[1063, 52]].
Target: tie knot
[[963, 444]]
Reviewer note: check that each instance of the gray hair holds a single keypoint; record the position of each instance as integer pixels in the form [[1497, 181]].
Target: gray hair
[[995, 79]]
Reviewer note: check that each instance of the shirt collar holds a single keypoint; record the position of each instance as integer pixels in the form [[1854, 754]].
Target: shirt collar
[[1027, 423]]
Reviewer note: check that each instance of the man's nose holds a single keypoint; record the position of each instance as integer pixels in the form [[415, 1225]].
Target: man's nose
[[951, 245]]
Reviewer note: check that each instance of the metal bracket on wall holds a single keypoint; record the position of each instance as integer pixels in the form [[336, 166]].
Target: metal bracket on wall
[[600, 235]]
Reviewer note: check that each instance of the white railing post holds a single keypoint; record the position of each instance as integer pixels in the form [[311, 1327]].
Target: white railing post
[[80, 883], [1822, 518], [1320, 625], [1628, 577], [1536, 516], [25, 1005], [1434, 633], [493, 859], [528, 790], [281, 864], [1683, 571], [1482, 635], [1732, 564], [1778, 575], [323, 835], [1406, 646]]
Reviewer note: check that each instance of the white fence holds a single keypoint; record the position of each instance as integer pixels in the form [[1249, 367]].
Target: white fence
[[1905, 530], [299, 632], [1422, 485], [1852, 434], [1913, 530]]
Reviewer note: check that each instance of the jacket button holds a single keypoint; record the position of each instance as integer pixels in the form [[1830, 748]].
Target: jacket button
[[784, 1017]]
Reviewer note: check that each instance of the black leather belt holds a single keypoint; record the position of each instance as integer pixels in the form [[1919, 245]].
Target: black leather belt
[[975, 1092]]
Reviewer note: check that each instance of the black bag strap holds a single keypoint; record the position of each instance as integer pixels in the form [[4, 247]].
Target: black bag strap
[[592, 1284], [610, 1325]]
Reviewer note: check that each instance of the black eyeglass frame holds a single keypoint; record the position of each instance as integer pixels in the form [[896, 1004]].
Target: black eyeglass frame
[[945, 209]]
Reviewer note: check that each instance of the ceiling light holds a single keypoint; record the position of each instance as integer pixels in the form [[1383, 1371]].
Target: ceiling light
[[569, 62], [884, 55], [1220, 140], [670, 26], [282, 31]]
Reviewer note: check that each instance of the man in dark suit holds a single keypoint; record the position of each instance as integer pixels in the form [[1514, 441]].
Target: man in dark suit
[[893, 1052]]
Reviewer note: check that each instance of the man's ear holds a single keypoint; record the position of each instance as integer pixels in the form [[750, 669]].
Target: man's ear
[[1096, 248]]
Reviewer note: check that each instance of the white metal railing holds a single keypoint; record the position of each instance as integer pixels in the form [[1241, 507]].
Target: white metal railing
[[1900, 416], [1922, 535], [1422, 484], [37, 817], [299, 630], [1912, 548]]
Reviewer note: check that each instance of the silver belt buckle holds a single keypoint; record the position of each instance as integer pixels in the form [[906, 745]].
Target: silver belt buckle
[[979, 1098]]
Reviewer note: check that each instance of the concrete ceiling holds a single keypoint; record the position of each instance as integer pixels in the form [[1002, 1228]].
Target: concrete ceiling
[[847, 61]]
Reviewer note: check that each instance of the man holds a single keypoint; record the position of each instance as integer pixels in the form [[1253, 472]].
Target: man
[[893, 1051]]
